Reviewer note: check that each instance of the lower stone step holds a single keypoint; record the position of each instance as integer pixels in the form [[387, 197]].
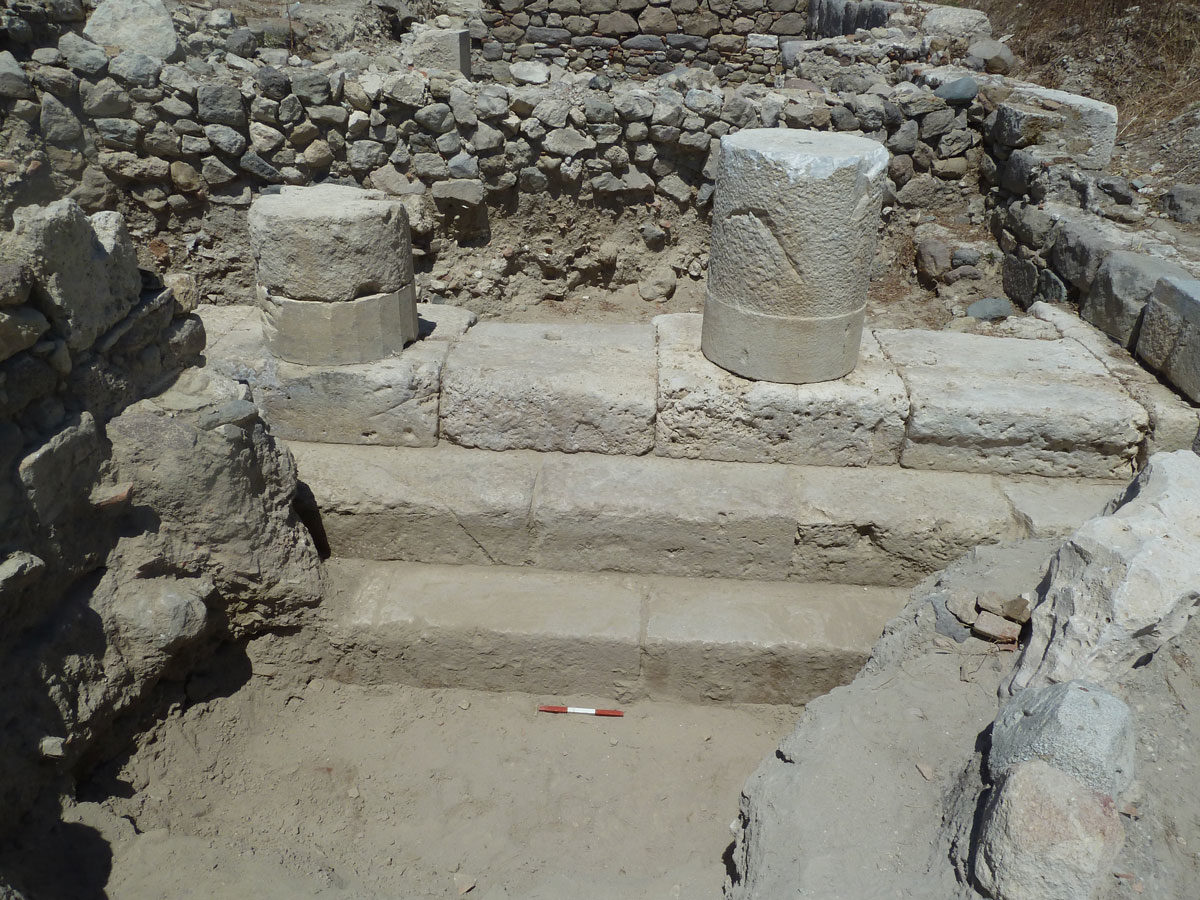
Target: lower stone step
[[877, 525], [610, 635]]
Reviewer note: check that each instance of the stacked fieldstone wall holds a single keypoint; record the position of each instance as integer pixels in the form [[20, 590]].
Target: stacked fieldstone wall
[[739, 38]]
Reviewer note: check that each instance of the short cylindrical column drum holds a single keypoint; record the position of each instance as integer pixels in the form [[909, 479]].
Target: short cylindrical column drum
[[795, 226]]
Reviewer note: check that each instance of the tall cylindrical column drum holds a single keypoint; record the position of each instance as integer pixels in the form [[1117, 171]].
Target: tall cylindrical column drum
[[795, 225]]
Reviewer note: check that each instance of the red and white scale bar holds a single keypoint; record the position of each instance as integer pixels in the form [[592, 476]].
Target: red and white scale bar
[[581, 710]]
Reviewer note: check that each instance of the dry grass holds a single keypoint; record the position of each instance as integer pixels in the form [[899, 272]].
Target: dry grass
[[1142, 57]]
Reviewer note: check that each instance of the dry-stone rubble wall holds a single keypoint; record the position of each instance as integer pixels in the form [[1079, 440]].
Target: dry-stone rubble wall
[[131, 533]]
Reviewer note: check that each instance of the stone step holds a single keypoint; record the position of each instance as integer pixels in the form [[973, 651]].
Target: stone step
[[610, 635], [695, 518], [1046, 405]]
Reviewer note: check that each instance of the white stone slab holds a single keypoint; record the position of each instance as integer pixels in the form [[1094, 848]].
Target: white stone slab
[[705, 412], [365, 329], [1012, 406], [551, 387]]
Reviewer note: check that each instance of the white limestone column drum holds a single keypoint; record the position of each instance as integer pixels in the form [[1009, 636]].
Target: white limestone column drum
[[335, 274], [795, 226]]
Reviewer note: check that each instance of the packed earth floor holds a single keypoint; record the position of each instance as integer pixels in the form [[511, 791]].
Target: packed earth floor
[[289, 789]]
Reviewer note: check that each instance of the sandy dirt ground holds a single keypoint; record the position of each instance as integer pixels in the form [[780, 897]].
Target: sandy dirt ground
[[329, 790]]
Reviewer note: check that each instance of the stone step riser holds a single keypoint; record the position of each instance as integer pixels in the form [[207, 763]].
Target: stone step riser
[[693, 518], [626, 637]]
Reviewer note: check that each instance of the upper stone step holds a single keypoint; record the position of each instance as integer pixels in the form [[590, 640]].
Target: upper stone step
[[652, 515], [921, 399]]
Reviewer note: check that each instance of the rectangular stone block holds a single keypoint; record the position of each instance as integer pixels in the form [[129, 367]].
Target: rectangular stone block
[[706, 412], [1013, 406], [728, 641], [313, 333], [1174, 423], [551, 387], [439, 506], [392, 402], [1169, 341], [891, 526], [1054, 508], [664, 516], [485, 628], [443, 49]]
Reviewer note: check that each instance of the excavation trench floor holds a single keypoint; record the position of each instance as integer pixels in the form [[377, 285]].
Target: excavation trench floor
[[330, 790]]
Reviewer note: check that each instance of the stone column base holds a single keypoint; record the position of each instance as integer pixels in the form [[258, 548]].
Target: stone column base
[[780, 348], [312, 333]]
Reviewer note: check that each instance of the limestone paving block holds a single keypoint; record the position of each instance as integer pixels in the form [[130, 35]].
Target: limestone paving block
[[891, 526], [551, 387], [665, 516], [368, 328], [438, 505], [706, 412], [391, 402], [330, 243], [795, 224], [486, 628], [1013, 406], [726, 641], [1174, 423]]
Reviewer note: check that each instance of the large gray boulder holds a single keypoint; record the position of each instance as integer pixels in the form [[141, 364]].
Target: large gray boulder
[[83, 294], [141, 25], [1077, 727], [1045, 834], [1122, 585], [1120, 291]]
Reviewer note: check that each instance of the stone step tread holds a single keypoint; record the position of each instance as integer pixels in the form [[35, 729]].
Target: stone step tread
[[921, 399], [656, 515], [621, 635]]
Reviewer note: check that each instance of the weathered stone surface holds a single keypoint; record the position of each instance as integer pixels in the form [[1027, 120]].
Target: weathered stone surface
[[82, 294], [58, 124], [1174, 423], [330, 243], [1045, 834], [141, 25], [445, 49], [14, 83], [708, 413], [442, 505], [795, 219], [881, 525], [20, 328], [989, 404], [367, 328], [542, 387], [1123, 584], [390, 402], [1077, 727], [1120, 291], [1169, 341]]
